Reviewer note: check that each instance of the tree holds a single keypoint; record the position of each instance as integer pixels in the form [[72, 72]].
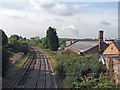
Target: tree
[[18, 43], [52, 38], [13, 39], [62, 45], [83, 70], [24, 48], [44, 43]]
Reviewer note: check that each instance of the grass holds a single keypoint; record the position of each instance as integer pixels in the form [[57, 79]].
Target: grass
[[52, 60], [15, 56], [12, 71]]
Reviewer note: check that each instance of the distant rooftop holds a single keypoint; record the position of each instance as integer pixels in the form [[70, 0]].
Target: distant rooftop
[[83, 45]]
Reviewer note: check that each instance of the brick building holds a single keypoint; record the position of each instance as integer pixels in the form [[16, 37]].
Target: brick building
[[88, 47], [110, 53], [111, 57]]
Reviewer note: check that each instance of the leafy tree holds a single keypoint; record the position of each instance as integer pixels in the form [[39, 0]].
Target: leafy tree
[[24, 48], [13, 39], [84, 70], [62, 45], [44, 43], [18, 43], [52, 38]]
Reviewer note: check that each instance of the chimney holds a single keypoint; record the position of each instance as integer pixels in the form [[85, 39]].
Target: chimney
[[100, 42]]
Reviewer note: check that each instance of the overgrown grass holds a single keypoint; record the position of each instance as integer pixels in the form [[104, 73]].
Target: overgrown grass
[[52, 59], [12, 71], [15, 56]]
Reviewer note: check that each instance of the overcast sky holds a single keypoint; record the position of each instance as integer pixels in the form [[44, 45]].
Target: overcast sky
[[76, 19]]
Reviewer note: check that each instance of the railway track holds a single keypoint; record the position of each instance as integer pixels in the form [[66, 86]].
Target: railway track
[[37, 73]]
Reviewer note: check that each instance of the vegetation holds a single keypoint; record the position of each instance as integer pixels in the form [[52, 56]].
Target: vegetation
[[52, 39], [11, 46], [62, 45], [13, 70], [86, 71], [44, 43], [74, 71], [18, 44]]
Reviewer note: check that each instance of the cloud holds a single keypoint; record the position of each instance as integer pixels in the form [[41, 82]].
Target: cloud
[[76, 7], [59, 20], [60, 9], [12, 13], [71, 27], [76, 22], [65, 9], [9, 1], [105, 23], [71, 30], [40, 3], [34, 4]]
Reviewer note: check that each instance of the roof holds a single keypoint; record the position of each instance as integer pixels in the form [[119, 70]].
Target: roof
[[83, 45], [117, 44]]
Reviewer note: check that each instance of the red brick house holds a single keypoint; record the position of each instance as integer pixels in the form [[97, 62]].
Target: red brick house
[[111, 57]]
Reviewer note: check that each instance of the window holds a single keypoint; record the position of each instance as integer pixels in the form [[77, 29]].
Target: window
[[111, 48]]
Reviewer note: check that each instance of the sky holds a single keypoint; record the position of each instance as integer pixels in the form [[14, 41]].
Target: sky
[[72, 19]]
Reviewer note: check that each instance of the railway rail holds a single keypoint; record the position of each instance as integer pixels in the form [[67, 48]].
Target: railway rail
[[36, 73]]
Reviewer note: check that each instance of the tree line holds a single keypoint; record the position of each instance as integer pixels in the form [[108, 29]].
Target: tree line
[[50, 41], [76, 71], [10, 46], [15, 44]]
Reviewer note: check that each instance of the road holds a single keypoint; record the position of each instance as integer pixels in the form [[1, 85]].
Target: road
[[36, 73]]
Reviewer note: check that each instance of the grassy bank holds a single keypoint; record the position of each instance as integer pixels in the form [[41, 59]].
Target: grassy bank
[[13, 70]]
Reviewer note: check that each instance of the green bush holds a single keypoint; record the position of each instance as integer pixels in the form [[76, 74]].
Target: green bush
[[86, 70]]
